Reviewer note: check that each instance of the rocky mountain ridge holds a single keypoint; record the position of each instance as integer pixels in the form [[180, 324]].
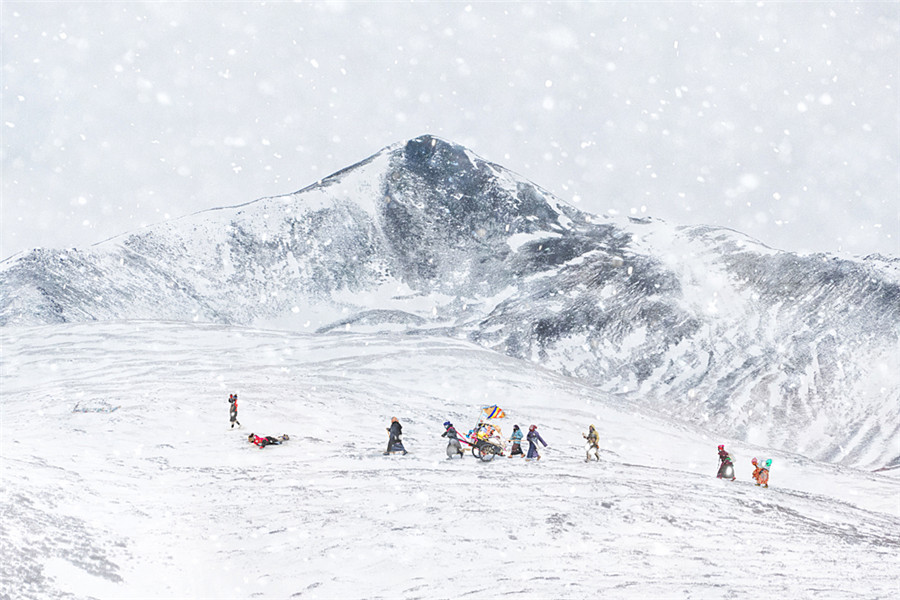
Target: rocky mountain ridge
[[425, 237]]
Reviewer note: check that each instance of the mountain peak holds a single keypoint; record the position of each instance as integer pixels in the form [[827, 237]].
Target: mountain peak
[[425, 236]]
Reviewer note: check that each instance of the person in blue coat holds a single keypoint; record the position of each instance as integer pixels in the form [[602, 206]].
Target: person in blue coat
[[533, 438], [516, 439]]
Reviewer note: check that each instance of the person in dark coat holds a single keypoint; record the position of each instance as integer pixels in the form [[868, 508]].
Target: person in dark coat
[[533, 438], [395, 430], [725, 463], [516, 439], [454, 448], [593, 444], [232, 411]]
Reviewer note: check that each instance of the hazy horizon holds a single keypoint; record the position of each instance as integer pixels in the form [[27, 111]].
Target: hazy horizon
[[779, 121]]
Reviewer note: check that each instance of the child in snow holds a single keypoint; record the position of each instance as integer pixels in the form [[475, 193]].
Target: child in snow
[[593, 445], [394, 438], [232, 400], [533, 438], [756, 469], [725, 464], [516, 439], [454, 448]]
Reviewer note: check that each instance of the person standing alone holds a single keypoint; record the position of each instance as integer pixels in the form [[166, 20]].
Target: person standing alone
[[232, 400], [593, 444]]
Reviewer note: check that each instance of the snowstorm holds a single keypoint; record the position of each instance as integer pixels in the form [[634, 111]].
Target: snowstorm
[[419, 300], [778, 120]]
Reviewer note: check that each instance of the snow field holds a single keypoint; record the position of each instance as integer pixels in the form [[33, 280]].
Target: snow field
[[161, 499]]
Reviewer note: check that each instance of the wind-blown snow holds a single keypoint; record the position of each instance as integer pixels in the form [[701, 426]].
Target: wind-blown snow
[[702, 323], [778, 119], [160, 498]]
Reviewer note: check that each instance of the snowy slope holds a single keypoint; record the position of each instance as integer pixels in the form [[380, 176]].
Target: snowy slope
[[160, 499], [798, 352]]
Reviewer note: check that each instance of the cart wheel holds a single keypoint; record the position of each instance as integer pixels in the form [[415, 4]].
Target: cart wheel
[[487, 456], [476, 452]]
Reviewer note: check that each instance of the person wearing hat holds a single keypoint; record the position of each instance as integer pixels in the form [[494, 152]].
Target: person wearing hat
[[533, 438], [395, 430], [593, 444], [268, 440], [516, 439], [454, 448], [725, 463]]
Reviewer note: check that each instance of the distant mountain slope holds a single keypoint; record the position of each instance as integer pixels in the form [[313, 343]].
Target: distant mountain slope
[[160, 499], [702, 323]]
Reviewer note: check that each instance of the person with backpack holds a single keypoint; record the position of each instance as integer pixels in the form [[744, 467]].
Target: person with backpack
[[516, 439], [533, 438], [593, 444], [454, 448], [726, 466], [763, 477], [394, 441], [232, 411]]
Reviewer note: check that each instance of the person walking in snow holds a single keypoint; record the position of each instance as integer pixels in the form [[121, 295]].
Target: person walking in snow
[[593, 444], [232, 400], [454, 448], [725, 464], [533, 438], [762, 478], [516, 439], [394, 442]]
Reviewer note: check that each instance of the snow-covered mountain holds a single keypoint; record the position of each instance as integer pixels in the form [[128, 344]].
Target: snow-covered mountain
[[796, 352], [160, 499]]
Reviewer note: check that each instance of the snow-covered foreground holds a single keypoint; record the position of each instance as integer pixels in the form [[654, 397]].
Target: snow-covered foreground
[[161, 499]]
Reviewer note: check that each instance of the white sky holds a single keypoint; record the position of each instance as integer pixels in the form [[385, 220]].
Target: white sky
[[778, 120]]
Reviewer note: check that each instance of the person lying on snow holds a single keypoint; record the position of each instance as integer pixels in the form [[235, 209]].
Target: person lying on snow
[[262, 442]]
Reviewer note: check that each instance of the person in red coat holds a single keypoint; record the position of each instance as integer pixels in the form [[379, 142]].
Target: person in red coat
[[261, 442]]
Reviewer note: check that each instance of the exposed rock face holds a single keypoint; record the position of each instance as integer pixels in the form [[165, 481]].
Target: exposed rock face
[[702, 323]]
